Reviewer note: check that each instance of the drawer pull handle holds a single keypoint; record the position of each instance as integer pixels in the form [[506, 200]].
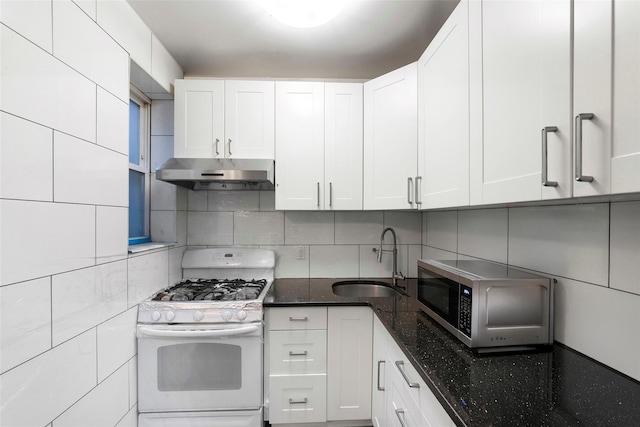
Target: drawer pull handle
[[380, 362], [400, 412], [298, 319], [304, 353], [296, 402], [400, 365]]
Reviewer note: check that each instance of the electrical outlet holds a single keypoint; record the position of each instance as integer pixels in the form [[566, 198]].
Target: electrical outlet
[[301, 253]]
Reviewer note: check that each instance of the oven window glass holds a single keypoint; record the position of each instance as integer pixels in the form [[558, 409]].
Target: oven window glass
[[199, 366]]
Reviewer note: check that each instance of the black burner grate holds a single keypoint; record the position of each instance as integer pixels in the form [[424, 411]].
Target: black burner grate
[[212, 290]]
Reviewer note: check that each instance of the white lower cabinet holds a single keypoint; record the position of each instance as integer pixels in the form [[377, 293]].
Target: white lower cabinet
[[298, 398], [400, 396], [318, 364]]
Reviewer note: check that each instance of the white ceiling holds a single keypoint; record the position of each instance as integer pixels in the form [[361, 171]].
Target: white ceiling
[[238, 38]]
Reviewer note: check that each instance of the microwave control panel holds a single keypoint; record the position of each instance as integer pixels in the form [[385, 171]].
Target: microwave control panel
[[465, 310]]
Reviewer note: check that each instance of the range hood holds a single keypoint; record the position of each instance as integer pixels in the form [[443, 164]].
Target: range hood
[[218, 174]]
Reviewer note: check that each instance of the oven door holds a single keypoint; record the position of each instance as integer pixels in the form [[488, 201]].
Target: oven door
[[199, 367]]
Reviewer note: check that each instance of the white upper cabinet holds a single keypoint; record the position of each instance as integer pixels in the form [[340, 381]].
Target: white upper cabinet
[[391, 140], [343, 146], [526, 99], [443, 115], [249, 119], [218, 119], [300, 147], [592, 55], [199, 118], [319, 149], [625, 162]]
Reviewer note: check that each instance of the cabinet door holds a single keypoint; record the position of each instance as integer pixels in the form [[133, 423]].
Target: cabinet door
[[443, 115], [343, 146], [249, 119], [625, 162], [349, 341], [199, 118], [592, 94], [391, 139], [300, 145], [526, 87], [379, 383]]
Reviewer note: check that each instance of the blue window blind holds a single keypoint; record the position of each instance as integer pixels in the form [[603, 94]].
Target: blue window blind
[[134, 133], [136, 204]]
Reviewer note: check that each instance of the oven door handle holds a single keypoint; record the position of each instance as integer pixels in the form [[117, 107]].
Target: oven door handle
[[208, 333]]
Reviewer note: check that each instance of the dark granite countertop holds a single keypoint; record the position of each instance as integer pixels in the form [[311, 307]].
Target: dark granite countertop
[[553, 387]]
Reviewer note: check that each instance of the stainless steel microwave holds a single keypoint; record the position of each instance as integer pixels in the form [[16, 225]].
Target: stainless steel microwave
[[488, 306]]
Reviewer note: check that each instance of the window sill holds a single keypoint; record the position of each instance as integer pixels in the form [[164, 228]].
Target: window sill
[[144, 247]]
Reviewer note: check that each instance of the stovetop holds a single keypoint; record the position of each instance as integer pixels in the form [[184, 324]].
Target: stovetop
[[212, 290], [229, 285]]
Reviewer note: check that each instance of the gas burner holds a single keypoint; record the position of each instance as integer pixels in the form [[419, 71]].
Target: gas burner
[[212, 290]]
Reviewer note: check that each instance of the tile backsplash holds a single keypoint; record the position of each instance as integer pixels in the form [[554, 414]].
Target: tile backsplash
[[307, 244], [592, 250]]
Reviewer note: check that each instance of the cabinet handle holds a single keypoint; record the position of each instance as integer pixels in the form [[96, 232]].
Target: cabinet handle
[[400, 412], [217, 142], [418, 190], [409, 190], [380, 362], [318, 192], [304, 353], [295, 402], [331, 194], [578, 146], [298, 319], [400, 365], [229, 146], [545, 159]]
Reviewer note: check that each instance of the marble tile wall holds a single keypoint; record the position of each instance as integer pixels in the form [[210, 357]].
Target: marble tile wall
[[592, 250], [68, 287]]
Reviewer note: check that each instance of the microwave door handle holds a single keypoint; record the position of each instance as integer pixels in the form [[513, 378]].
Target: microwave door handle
[[206, 333]]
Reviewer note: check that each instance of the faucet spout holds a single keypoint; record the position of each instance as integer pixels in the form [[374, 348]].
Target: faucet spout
[[395, 275]]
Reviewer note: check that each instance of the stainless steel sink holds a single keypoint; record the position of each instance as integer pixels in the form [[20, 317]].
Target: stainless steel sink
[[363, 288]]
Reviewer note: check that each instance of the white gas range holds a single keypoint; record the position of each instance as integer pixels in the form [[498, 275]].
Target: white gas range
[[200, 342]]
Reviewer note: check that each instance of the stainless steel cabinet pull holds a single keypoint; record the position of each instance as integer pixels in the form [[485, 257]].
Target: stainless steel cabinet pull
[[303, 353], [318, 192], [217, 142], [293, 402], [379, 363], [330, 194], [418, 190], [400, 365], [578, 146], [229, 146], [409, 190], [298, 319], [400, 415], [545, 159]]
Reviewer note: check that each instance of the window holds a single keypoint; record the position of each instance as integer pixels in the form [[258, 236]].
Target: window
[[139, 174]]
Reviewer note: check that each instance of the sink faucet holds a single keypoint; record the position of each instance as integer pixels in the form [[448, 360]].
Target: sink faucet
[[395, 275]]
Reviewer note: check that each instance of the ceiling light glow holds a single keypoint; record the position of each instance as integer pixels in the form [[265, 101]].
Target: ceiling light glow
[[303, 13]]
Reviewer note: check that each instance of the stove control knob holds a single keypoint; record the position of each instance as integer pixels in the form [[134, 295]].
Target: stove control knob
[[155, 315], [241, 315], [197, 316], [227, 315], [170, 315]]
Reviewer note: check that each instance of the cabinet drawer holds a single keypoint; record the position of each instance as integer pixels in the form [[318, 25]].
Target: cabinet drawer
[[292, 318], [410, 376], [298, 352], [297, 398]]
